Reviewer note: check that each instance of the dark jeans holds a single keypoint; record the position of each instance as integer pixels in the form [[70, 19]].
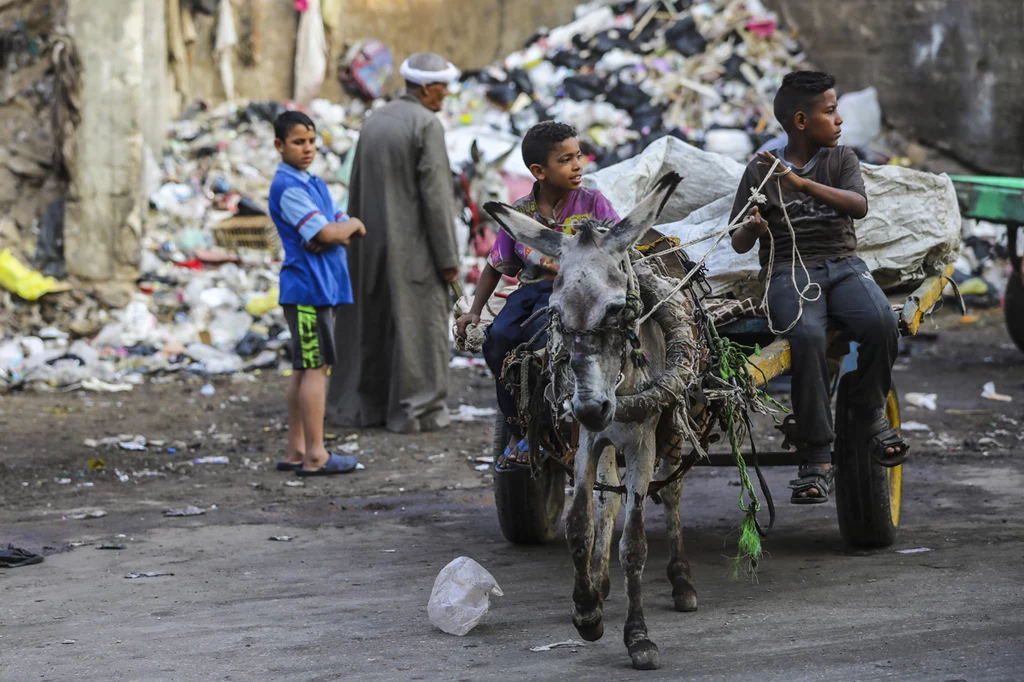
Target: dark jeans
[[506, 333], [852, 302]]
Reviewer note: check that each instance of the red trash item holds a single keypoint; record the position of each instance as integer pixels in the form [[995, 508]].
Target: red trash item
[[366, 68]]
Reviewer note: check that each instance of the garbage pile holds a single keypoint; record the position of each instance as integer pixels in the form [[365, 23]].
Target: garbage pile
[[982, 270], [629, 75], [196, 307]]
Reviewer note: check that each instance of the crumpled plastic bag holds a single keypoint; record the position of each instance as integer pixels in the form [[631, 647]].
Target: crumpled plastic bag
[[461, 596], [25, 282]]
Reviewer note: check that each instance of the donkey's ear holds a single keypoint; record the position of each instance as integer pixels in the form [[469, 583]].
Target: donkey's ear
[[474, 153], [643, 216], [526, 230], [499, 162]]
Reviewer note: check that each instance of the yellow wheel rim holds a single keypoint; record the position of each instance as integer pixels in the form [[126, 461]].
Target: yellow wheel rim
[[894, 475]]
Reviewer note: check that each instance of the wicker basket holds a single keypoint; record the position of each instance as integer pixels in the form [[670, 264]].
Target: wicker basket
[[247, 232]]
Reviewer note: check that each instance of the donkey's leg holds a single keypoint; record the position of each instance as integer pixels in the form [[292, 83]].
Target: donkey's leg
[[683, 593], [607, 510], [579, 532], [640, 456]]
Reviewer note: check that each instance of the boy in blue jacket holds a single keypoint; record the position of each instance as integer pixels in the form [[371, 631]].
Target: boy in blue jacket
[[314, 279]]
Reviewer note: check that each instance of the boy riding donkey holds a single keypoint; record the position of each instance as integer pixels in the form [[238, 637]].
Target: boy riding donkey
[[814, 279], [552, 153]]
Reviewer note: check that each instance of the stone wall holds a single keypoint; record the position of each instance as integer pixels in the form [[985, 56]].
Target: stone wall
[[27, 180], [948, 72], [471, 33]]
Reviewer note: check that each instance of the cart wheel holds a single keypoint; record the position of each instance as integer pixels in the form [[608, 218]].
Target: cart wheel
[[868, 495], [1013, 309], [529, 508]]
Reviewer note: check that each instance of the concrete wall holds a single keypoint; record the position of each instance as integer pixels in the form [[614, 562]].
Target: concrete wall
[[471, 33], [947, 71], [103, 220]]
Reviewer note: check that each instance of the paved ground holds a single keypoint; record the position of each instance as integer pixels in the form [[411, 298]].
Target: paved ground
[[347, 598]]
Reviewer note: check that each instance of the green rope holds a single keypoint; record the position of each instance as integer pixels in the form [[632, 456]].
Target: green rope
[[732, 367], [749, 550]]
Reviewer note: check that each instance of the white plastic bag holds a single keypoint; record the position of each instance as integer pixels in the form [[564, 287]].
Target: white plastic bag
[[862, 117], [461, 596]]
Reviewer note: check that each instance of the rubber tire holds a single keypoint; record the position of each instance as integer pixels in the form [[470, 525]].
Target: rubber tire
[[1013, 309], [868, 495], [529, 509]]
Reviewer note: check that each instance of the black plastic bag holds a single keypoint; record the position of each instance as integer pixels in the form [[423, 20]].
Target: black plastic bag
[[628, 97], [584, 88], [685, 39], [14, 557]]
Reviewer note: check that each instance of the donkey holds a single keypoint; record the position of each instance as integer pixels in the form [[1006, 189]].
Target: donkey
[[588, 302]]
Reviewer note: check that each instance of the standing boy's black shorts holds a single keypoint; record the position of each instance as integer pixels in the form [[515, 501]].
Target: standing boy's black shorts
[[312, 329]]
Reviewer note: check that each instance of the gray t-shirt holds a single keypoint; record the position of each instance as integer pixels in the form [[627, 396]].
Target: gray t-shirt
[[822, 233]]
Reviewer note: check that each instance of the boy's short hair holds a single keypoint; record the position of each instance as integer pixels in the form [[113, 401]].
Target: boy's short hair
[[288, 120], [541, 140], [798, 92]]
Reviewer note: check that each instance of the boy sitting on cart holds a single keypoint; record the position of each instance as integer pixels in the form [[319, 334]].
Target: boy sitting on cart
[[552, 153], [818, 282]]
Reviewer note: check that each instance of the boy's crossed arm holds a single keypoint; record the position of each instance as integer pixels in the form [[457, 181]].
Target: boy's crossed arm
[[317, 233]]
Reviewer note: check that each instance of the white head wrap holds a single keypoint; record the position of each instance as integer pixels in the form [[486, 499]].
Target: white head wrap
[[425, 68]]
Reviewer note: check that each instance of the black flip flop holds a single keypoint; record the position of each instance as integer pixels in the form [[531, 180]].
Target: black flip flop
[[336, 464]]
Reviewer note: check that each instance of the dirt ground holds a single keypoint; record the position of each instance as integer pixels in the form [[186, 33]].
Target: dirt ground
[[346, 599], [45, 470]]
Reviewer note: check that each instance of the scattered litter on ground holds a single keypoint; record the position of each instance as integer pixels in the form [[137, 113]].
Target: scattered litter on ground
[[916, 550], [220, 459], [295, 484], [97, 464], [989, 393], [925, 400], [282, 538], [16, 557], [132, 445], [350, 447], [150, 574], [557, 645], [469, 413], [482, 467], [486, 459], [78, 516], [914, 426], [187, 511], [69, 641], [460, 362], [62, 481], [461, 596], [112, 545], [389, 551], [207, 390]]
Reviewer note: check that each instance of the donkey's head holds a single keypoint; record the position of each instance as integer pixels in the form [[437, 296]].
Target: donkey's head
[[589, 296]]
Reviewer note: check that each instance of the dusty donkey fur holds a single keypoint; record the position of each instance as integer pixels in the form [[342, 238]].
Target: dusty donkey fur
[[588, 302]]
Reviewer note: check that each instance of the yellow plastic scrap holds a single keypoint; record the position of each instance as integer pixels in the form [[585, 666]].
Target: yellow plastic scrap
[[258, 306], [24, 281]]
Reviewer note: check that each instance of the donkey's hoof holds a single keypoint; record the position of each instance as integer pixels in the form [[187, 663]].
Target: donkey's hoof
[[685, 602], [644, 655], [590, 628]]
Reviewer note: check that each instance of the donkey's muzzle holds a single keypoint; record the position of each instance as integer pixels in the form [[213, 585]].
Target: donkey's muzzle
[[593, 414]]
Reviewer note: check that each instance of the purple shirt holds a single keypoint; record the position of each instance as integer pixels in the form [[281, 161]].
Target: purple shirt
[[511, 258]]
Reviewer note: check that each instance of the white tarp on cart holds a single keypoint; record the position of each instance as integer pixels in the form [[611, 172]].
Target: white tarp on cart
[[912, 229]]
